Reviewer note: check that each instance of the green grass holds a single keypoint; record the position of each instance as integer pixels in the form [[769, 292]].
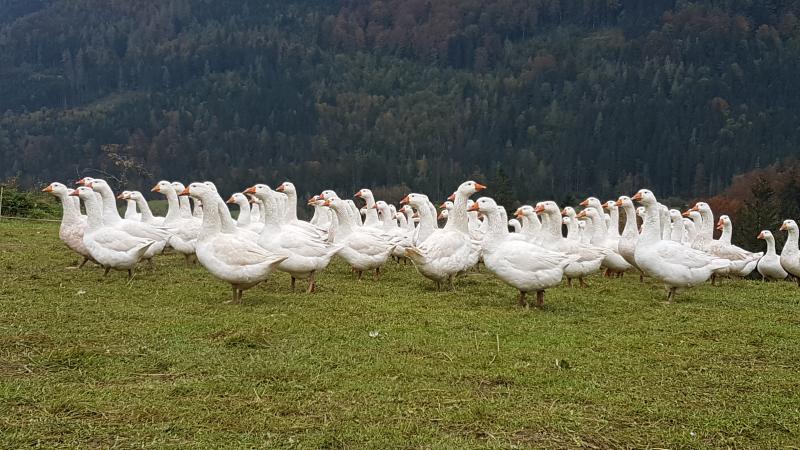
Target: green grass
[[87, 361]]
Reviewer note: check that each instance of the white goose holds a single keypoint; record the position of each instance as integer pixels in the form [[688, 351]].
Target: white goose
[[227, 255], [531, 225], [427, 217], [290, 213], [600, 237], [364, 248], [521, 264], [111, 218], [144, 207], [389, 225], [769, 266], [224, 214], [586, 258], [130, 209], [515, 225], [371, 219], [306, 256], [183, 201], [184, 231], [742, 261], [630, 233], [244, 220], [669, 262], [111, 247], [790, 255], [450, 250], [73, 224], [677, 230]]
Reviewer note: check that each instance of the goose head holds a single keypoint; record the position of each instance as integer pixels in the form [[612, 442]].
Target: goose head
[[446, 205], [56, 188], [645, 197], [723, 221], [624, 201], [467, 188], [238, 198], [198, 189], [211, 186], [788, 225], [592, 202], [163, 187], [178, 186], [336, 204], [548, 207], [640, 211], [287, 188], [364, 193], [611, 206], [417, 201], [445, 214], [675, 215], [568, 211], [136, 195], [486, 205], [84, 192], [525, 210], [766, 235], [85, 181], [327, 194], [259, 191], [124, 195]]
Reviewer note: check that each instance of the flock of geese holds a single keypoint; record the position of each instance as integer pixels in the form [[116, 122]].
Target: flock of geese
[[674, 248]]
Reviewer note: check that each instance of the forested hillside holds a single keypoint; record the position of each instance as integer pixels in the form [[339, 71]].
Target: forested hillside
[[567, 97]]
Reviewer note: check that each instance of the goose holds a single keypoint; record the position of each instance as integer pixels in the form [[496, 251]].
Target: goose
[[110, 246], [769, 266], [290, 214], [371, 218], [73, 224], [224, 214], [306, 257], [666, 228], [111, 218], [322, 215], [521, 264], [630, 233], [449, 250], [427, 217], [183, 201], [600, 237], [515, 225], [676, 226], [244, 220], [742, 261], [184, 231], [584, 236], [443, 215], [671, 263], [408, 223], [399, 235], [697, 221], [130, 209], [587, 258], [531, 224], [790, 255], [574, 225], [364, 248], [255, 210], [228, 255], [144, 207]]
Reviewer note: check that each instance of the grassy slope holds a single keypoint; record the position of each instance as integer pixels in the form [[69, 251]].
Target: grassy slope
[[159, 362]]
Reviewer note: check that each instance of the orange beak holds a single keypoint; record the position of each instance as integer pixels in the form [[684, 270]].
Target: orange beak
[[720, 227], [121, 196], [518, 213], [581, 214], [564, 212], [155, 189], [280, 188], [357, 194], [74, 193], [686, 214], [585, 202], [49, 188], [452, 197], [474, 206], [761, 235], [443, 205], [538, 209], [440, 216], [375, 206], [636, 197], [327, 203], [404, 201], [479, 187], [784, 227], [618, 203], [230, 200], [695, 208], [250, 190], [81, 181], [185, 191]]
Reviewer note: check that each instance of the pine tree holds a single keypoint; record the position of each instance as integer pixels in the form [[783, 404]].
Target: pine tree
[[758, 213], [500, 189]]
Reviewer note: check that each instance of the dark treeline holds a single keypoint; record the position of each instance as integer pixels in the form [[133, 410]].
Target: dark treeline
[[567, 97]]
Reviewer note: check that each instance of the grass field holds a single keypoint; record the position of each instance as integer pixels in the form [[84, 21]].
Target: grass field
[[87, 361]]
